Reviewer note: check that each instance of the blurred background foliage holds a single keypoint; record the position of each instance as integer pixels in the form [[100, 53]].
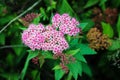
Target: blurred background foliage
[[103, 14]]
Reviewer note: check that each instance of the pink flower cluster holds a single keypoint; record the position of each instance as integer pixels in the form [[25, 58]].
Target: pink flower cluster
[[32, 37], [39, 37], [66, 24], [49, 37]]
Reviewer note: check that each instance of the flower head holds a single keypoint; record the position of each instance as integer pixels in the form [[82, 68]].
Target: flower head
[[55, 41], [66, 24], [32, 37]]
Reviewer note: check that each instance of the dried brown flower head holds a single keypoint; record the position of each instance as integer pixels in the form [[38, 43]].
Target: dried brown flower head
[[97, 40], [111, 15], [35, 60], [65, 59], [28, 18], [96, 11]]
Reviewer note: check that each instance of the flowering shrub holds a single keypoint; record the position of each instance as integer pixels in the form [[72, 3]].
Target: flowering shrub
[[37, 44], [49, 37], [58, 40]]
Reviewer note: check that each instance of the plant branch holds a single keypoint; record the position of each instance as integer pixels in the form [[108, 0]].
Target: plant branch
[[30, 8], [10, 46]]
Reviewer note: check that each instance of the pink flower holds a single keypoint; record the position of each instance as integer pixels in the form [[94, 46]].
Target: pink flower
[[56, 20], [66, 24], [49, 28], [51, 37], [32, 37], [54, 41]]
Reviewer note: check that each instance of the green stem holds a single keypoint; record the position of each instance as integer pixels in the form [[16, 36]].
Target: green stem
[[11, 46], [30, 8]]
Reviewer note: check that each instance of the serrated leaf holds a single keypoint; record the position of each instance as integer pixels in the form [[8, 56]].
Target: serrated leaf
[[102, 4], [47, 55], [22, 28], [59, 74], [73, 52], [118, 26], [89, 25], [57, 67], [80, 57], [66, 8], [91, 3], [68, 37], [2, 39], [107, 29], [36, 20], [86, 50], [31, 55], [115, 45], [43, 13], [86, 69], [83, 25], [41, 60], [73, 42], [75, 68]]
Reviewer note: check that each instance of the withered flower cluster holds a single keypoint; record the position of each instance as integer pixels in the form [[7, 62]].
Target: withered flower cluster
[[108, 16], [111, 15], [35, 60], [97, 40], [65, 59], [28, 18]]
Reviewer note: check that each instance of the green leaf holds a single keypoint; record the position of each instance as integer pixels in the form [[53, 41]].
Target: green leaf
[[107, 29], [6, 19], [75, 68], [115, 45], [41, 60], [36, 20], [14, 41], [43, 13], [59, 74], [35, 74], [2, 38], [57, 67], [73, 42], [9, 76], [80, 57], [31, 55], [102, 4], [85, 49], [73, 52], [68, 37], [83, 25], [88, 25], [22, 27], [10, 59], [66, 8], [118, 26], [86, 69], [47, 55], [91, 3]]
